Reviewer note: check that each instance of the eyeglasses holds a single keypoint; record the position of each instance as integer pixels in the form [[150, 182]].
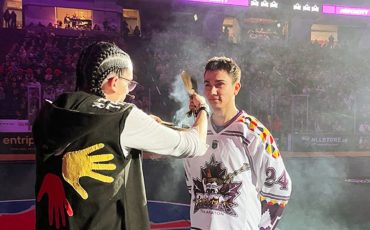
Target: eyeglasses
[[131, 84]]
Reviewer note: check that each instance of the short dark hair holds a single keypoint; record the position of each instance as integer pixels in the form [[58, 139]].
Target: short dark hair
[[226, 64]]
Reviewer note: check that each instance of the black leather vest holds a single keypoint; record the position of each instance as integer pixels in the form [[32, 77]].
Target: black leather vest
[[63, 132]]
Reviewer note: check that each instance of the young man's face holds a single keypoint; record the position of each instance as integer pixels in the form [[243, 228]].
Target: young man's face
[[219, 89]]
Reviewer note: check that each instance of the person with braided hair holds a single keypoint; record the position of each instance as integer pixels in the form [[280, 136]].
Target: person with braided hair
[[88, 147]]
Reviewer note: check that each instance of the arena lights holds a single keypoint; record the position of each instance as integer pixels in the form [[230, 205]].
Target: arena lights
[[297, 6], [345, 10], [315, 8], [265, 3], [306, 7], [274, 4], [255, 3], [224, 2]]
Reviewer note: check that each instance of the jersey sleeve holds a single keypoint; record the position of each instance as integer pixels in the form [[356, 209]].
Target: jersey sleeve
[[271, 177]]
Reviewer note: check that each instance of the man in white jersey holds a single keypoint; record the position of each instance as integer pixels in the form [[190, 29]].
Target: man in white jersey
[[241, 182]]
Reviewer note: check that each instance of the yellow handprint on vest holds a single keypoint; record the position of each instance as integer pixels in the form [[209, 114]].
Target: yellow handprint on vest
[[77, 164]]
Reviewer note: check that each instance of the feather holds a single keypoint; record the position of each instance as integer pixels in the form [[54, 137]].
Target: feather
[[188, 84]]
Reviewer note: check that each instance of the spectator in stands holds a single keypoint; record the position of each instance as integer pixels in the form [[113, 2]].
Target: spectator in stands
[[74, 21], [13, 20], [50, 26], [93, 134], [6, 17], [106, 25], [40, 25], [29, 75], [48, 75], [125, 32], [137, 32], [59, 24], [67, 21], [57, 73], [124, 28], [96, 27], [331, 41]]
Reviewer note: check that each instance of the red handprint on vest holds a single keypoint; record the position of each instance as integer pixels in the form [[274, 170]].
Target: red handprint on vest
[[57, 201]]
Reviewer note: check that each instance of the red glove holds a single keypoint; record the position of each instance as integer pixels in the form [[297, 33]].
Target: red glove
[[58, 203]]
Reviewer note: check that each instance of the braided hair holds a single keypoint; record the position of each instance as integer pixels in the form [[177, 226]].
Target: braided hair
[[96, 62]]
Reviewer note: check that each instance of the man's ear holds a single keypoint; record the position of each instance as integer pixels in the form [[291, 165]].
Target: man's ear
[[110, 85], [113, 83], [237, 87]]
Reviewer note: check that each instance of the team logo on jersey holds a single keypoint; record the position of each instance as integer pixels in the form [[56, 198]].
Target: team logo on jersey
[[216, 189]]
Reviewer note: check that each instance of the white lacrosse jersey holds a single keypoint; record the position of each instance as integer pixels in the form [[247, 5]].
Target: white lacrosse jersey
[[241, 182]]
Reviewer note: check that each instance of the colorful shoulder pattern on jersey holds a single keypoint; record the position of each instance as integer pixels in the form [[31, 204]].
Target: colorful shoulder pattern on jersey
[[258, 128]]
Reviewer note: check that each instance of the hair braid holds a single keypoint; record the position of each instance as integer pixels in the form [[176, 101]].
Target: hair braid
[[96, 62]]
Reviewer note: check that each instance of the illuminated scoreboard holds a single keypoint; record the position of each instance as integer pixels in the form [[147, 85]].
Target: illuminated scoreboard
[[345, 10], [224, 2]]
